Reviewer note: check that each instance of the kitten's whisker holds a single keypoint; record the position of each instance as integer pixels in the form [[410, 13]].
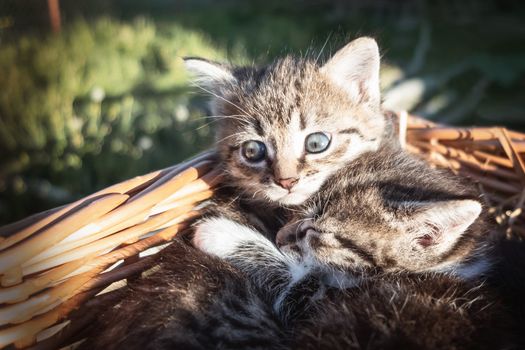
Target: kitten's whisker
[[225, 138], [219, 118], [244, 119], [295, 210], [255, 193], [221, 98], [323, 47], [205, 125], [328, 199]]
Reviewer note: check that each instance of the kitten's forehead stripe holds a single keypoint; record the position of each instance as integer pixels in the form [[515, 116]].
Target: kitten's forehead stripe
[[352, 131], [303, 121], [297, 138], [258, 127]]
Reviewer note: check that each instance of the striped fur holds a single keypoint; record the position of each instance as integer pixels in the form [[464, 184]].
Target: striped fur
[[325, 306], [191, 301]]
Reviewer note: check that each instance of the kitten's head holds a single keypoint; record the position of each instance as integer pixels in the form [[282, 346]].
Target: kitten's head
[[365, 231], [282, 130]]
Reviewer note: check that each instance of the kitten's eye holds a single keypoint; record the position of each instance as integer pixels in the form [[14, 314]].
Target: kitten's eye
[[253, 151], [317, 142]]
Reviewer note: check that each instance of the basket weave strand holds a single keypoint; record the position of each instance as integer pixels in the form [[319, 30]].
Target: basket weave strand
[[493, 157], [52, 263]]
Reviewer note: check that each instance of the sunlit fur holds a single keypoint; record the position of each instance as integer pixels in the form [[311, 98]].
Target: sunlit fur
[[281, 105], [284, 102]]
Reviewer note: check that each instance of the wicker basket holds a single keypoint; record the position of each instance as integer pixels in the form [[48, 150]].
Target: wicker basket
[[57, 265]]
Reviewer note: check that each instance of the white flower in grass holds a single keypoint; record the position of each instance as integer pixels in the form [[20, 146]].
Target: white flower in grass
[[145, 143], [97, 94]]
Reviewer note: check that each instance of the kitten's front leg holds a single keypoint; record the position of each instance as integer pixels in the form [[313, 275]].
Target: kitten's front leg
[[273, 272], [286, 280], [245, 248]]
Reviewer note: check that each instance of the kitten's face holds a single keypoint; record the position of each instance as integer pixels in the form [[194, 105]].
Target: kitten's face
[[292, 131], [365, 232], [284, 129]]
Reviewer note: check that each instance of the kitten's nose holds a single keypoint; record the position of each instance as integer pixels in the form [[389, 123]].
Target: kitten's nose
[[287, 183]]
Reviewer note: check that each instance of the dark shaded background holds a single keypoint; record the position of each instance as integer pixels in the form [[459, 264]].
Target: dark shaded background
[[106, 98]]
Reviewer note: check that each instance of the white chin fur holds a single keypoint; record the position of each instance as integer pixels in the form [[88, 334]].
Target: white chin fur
[[294, 198], [287, 198]]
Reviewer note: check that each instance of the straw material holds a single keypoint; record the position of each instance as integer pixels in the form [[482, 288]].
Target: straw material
[[494, 158], [57, 265]]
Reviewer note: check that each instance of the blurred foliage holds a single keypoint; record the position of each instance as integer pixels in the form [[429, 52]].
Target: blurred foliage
[[97, 104], [107, 98]]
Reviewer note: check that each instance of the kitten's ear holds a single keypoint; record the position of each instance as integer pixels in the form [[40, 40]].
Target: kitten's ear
[[439, 225], [355, 68], [208, 73]]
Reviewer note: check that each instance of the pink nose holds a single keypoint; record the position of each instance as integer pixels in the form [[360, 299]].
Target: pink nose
[[288, 183]]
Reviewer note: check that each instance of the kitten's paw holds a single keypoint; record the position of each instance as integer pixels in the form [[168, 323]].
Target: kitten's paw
[[223, 237]]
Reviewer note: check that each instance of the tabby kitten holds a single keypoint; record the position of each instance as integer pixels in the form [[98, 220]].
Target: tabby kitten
[[284, 129], [388, 254], [328, 287]]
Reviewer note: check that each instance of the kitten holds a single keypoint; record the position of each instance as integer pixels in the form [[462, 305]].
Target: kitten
[[388, 254], [391, 211], [284, 129]]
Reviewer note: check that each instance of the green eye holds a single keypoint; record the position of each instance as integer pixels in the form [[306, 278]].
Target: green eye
[[317, 142], [253, 151]]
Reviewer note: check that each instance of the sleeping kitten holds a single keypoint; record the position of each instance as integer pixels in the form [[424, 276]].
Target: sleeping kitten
[[388, 254], [336, 292], [329, 286], [391, 211]]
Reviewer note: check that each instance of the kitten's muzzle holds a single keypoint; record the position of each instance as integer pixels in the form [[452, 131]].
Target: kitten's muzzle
[[293, 232], [287, 183]]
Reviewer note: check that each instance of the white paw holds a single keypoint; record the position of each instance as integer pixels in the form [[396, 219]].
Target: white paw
[[222, 237]]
